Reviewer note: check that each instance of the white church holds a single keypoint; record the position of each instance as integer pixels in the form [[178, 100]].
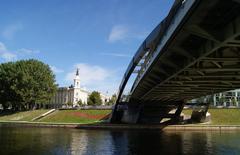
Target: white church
[[74, 94]]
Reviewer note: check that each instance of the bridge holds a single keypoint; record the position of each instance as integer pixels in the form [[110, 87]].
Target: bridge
[[193, 52]]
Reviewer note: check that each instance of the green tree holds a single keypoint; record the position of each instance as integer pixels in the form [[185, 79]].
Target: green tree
[[94, 98], [26, 82], [8, 80], [112, 100]]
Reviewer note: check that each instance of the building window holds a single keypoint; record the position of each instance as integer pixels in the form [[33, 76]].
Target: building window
[[76, 94]]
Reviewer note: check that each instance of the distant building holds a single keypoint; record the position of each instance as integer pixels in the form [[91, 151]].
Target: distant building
[[73, 94], [225, 99], [104, 98], [229, 98]]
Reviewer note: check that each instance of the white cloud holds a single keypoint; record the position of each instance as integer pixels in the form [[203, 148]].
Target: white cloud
[[24, 51], [6, 54], [2, 47], [118, 32], [95, 77], [116, 55], [10, 31], [89, 73], [56, 70], [123, 33]]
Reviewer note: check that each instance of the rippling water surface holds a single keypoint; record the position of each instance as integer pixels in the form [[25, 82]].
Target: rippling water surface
[[47, 141]]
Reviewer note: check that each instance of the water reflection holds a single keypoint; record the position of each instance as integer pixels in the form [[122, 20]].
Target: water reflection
[[78, 143], [87, 142]]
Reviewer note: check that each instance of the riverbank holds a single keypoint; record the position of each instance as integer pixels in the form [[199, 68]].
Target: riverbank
[[58, 116], [21, 115], [102, 126], [221, 116], [218, 116], [222, 119]]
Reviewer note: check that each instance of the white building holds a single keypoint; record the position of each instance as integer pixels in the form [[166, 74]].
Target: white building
[[78, 93], [74, 94], [229, 98], [104, 98], [224, 99]]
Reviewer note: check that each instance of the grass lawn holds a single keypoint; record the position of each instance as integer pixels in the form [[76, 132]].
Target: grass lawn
[[221, 116], [21, 116], [76, 116]]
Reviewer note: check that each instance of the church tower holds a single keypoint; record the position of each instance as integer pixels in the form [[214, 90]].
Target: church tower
[[77, 80], [76, 88], [78, 93]]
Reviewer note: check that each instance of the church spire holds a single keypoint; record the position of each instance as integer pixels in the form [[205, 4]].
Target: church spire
[[77, 73], [77, 80]]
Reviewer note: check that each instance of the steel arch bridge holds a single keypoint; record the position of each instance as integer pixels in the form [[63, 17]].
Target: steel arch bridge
[[193, 52]]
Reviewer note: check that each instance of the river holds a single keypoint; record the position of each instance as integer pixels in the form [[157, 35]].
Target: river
[[60, 141]]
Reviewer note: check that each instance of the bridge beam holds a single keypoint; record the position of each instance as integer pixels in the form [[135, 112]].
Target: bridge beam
[[238, 1], [203, 33]]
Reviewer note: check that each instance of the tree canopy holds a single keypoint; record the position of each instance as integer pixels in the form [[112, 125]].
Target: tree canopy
[[94, 98], [26, 82]]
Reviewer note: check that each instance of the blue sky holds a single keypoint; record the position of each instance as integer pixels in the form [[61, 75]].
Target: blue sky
[[97, 36]]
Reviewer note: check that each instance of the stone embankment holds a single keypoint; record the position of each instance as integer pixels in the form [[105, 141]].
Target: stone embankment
[[101, 126]]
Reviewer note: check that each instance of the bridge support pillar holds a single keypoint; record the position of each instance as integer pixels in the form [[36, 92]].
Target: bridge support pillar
[[201, 115], [179, 110], [177, 115], [116, 115], [131, 114]]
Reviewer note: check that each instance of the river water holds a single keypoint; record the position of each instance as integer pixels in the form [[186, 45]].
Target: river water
[[54, 141]]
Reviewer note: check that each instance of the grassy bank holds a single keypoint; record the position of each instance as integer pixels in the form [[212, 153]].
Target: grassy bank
[[222, 116], [76, 116], [219, 116], [59, 116], [21, 116]]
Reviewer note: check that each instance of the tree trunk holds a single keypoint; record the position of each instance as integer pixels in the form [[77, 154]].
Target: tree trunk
[[31, 106], [23, 108]]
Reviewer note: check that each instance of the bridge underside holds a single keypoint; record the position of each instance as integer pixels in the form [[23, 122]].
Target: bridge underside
[[201, 57]]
